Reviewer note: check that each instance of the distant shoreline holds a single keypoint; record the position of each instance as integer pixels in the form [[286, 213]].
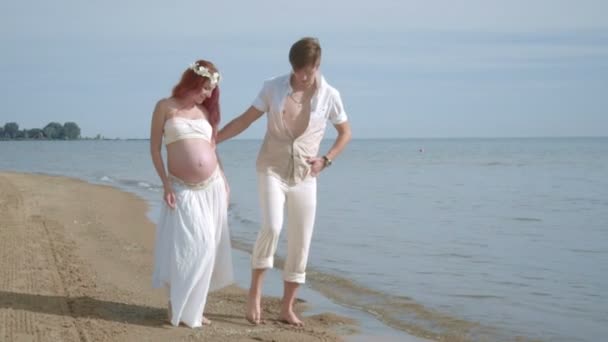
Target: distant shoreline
[[355, 139]]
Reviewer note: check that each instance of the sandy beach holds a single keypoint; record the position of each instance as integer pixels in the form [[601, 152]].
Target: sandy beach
[[76, 263]]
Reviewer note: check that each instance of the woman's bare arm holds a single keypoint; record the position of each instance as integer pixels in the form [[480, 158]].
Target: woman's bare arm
[[156, 136]]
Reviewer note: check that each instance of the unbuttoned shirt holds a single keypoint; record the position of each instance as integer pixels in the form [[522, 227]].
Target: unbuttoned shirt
[[282, 155]]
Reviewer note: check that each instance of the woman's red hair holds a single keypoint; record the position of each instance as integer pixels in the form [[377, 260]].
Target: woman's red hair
[[191, 81]]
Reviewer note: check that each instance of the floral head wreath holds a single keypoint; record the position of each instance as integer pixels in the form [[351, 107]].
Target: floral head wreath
[[214, 77]]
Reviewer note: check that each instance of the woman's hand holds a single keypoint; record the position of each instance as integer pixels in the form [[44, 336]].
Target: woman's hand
[[169, 197], [317, 165]]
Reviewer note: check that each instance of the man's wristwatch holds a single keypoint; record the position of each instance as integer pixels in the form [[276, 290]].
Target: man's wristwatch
[[327, 161]]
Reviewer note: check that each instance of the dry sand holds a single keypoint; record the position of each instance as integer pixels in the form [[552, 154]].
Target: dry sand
[[76, 263]]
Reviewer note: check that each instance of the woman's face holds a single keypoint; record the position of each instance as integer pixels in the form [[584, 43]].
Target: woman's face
[[204, 93]]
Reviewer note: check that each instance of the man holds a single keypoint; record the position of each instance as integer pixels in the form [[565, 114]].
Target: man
[[299, 105]]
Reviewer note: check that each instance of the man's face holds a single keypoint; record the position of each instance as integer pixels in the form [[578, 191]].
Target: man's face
[[305, 77]]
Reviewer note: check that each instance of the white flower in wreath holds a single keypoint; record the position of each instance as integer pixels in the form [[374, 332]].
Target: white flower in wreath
[[201, 70]]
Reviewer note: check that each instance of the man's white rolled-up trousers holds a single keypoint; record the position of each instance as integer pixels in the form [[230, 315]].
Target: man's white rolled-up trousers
[[300, 202]]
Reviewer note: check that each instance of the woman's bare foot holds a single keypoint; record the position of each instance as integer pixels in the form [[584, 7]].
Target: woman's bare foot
[[206, 321], [289, 317], [253, 311]]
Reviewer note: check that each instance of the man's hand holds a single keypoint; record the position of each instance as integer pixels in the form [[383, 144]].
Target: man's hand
[[317, 164]]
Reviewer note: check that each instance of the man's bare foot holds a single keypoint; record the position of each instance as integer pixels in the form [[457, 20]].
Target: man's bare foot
[[206, 321], [289, 317], [169, 312], [253, 311]]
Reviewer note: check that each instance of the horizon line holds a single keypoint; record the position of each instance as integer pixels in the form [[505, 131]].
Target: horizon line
[[407, 138]]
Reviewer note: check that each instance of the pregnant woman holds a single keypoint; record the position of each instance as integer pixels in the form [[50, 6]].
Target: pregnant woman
[[192, 254]]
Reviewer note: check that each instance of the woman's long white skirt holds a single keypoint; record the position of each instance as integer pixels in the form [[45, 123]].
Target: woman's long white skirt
[[192, 255]]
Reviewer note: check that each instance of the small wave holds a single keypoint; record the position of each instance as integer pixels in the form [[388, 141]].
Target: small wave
[[473, 243], [592, 295], [106, 179], [481, 261], [240, 219], [138, 184], [519, 164], [476, 296], [509, 283], [247, 221], [588, 251], [129, 182], [453, 255], [527, 219]]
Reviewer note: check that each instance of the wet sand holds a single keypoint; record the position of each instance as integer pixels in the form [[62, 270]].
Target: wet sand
[[76, 263]]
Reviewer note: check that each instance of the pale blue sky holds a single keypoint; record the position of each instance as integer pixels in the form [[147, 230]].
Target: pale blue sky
[[404, 68]]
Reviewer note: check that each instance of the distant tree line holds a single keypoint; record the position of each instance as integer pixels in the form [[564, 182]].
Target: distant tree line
[[52, 131]]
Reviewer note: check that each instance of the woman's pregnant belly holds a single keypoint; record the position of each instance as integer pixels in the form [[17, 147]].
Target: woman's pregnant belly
[[191, 160]]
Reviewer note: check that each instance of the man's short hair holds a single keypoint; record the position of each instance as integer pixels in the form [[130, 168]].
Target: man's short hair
[[305, 52]]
